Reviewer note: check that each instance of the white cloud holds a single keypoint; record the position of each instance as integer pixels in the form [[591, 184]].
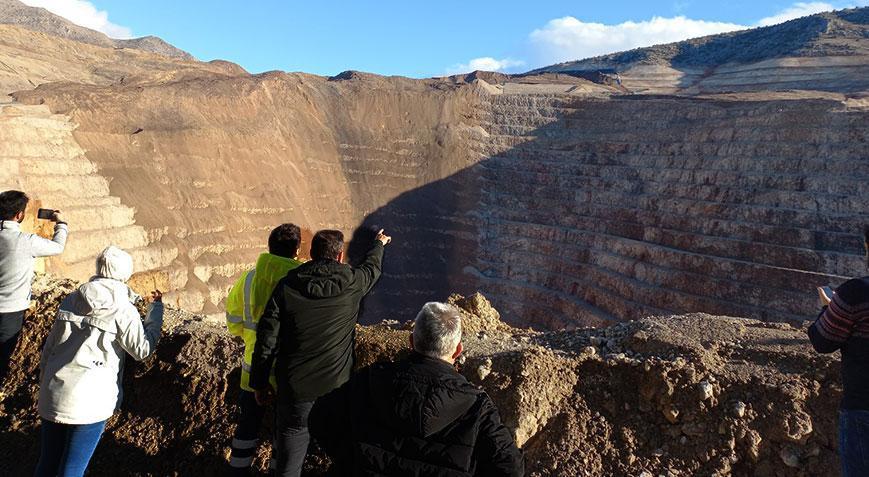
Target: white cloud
[[485, 63], [568, 38], [797, 10], [83, 13]]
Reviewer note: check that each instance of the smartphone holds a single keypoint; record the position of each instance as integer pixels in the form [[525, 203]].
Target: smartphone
[[45, 214], [825, 294]]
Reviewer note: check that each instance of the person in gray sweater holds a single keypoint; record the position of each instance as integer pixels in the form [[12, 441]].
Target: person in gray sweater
[[83, 361], [17, 253]]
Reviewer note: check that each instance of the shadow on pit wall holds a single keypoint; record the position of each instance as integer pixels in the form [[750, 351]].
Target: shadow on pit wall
[[592, 220]]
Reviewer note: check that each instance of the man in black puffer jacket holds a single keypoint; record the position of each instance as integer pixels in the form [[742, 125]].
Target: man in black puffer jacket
[[418, 417]]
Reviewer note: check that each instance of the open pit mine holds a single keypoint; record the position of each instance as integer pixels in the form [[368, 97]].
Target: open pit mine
[[650, 227]]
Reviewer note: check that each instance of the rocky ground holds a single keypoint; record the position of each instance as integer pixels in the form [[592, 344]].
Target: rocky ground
[[673, 396]]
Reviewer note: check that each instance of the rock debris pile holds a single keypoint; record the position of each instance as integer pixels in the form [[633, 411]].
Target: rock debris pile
[[675, 396]]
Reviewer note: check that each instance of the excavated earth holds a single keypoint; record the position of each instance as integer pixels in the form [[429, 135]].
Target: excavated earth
[[672, 395]]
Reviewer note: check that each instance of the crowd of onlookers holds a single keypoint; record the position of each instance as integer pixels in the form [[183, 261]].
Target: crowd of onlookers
[[297, 319], [415, 417]]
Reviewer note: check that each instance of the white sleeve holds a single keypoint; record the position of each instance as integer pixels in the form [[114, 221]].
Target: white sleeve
[[138, 339], [40, 247]]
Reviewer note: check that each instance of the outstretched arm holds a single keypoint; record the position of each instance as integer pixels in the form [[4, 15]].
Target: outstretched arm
[[140, 340], [833, 326], [40, 247], [371, 268]]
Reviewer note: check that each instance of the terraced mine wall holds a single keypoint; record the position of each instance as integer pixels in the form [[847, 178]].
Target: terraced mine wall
[[824, 52], [590, 210], [212, 164], [39, 154], [566, 210]]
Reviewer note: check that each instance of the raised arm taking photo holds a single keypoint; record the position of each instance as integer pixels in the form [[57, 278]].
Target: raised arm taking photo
[[41, 247]]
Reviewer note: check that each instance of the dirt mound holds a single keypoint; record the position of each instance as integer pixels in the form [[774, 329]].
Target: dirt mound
[[681, 395], [478, 314], [694, 395]]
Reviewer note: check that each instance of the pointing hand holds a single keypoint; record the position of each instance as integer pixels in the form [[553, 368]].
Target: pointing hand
[[156, 295], [384, 239]]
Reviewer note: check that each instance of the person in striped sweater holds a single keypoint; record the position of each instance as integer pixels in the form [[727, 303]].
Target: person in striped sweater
[[844, 325]]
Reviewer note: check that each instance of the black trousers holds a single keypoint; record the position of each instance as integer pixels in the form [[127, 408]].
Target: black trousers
[[291, 435], [246, 438], [10, 331]]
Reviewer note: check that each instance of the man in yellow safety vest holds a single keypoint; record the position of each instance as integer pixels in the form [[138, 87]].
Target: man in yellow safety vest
[[244, 306]]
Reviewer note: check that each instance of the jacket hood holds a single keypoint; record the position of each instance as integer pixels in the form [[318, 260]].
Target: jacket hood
[[114, 263], [105, 294], [423, 400], [97, 301], [321, 278]]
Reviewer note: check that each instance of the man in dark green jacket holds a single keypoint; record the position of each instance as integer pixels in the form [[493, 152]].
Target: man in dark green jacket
[[307, 330]]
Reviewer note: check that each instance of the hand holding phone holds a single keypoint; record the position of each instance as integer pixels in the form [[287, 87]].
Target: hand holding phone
[[48, 214], [826, 295]]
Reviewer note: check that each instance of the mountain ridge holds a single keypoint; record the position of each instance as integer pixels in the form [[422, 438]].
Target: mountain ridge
[[13, 12], [837, 33]]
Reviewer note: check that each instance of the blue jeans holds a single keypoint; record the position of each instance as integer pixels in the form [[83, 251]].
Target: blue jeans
[[66, 449], [854, 442]]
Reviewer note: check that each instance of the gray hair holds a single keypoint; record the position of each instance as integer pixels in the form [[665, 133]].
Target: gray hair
[[437, 329]]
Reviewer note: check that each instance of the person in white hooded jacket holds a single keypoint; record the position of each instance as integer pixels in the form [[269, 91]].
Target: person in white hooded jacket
[[83, 359]]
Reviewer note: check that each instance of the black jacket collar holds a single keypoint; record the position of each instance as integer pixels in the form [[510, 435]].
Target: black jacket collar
[[321, 278]]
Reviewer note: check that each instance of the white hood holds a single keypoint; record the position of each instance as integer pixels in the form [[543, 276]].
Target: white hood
[[114, 263]]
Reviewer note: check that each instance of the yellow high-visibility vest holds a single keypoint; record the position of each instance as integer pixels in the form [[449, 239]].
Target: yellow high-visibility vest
[[247, 301]]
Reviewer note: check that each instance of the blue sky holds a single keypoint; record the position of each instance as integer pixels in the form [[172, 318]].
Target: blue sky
[[420, 39]]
